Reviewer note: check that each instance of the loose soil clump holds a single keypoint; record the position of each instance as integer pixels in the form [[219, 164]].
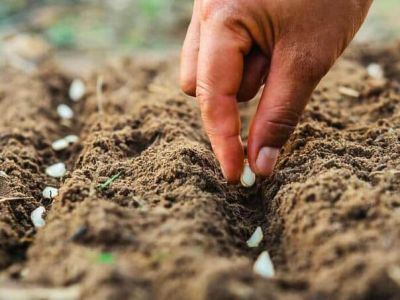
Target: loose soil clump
[[144, 213]]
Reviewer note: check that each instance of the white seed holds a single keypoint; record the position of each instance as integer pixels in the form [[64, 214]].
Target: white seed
[[248, 178], [263, 265], [3, 174], [77, 90], [37, 217], [50, 192], [375, 71], [72, 139], [65, 112], [60, 144], [349, 92], [255, 238], [56, 170]]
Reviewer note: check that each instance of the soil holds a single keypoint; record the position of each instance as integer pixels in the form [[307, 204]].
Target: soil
[[169, 226]]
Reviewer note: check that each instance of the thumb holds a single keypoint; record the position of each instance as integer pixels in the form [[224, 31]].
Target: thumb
[[291, 80]]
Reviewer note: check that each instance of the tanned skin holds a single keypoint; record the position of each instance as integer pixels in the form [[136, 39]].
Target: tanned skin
[[234, 47]]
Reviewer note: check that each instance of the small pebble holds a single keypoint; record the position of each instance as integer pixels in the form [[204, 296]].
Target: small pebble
[[77, 90], [37, 217], [56, 170], [255, 238], [3, 174], [263, 265], [65, 112], [49, 192], [248, 178], [60, 144], [349, 92], [375, 71]]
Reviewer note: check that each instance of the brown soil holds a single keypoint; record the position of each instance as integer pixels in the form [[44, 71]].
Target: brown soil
[[170, 227]]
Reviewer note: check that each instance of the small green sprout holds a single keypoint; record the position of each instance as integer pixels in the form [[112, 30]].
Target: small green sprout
[[105, 258], [104, 186]]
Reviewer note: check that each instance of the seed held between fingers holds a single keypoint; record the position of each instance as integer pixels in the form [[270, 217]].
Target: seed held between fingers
[[248, 177]]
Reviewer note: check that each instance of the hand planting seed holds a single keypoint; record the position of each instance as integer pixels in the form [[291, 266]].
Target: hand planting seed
[[255, 238], [109, 181], [248, 178], [65, 112], [77, 90], [37, 217], [57, 170], [50, 192], [263, 265]]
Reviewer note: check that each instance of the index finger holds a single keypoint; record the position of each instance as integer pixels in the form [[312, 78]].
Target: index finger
[[219, 76]]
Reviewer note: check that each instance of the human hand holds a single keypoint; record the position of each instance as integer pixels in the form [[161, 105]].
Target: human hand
[[233, 47]]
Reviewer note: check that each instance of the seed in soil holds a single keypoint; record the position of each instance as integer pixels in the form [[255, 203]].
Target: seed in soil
[[248, 178], [3, 174], [106, 184], [65, 112], [255, 238], [72, 139], [77, 90], [345, 91], [375, 71], [50, 192], [57, 170], [63, 143], [59, 145], [37, 217], [263, 265]]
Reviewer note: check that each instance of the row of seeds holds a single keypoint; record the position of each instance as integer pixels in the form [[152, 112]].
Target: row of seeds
[[77, 91]]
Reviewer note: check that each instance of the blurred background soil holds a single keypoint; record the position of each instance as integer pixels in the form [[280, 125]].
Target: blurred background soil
[[85, 32]]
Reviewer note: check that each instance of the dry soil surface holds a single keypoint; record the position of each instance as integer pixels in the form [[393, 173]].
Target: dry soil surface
[[170, 227]]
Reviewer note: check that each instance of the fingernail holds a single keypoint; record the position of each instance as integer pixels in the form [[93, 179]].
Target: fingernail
[[266, 160]]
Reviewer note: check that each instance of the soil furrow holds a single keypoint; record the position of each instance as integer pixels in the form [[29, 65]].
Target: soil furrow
[[28, 125], [168, 221], [145, 214], [332, 204]]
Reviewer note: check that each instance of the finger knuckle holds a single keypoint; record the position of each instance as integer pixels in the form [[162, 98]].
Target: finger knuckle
[[211, 8], [203, 91], [283, 118], [223, 10]]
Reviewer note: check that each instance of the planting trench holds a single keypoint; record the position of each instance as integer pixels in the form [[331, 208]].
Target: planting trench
[[169, 227]]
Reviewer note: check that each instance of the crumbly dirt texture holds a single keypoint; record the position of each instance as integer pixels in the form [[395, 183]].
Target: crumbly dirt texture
[[169, 226]]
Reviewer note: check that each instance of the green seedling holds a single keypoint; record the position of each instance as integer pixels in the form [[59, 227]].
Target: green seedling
[[105, 258], [104, 186]]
